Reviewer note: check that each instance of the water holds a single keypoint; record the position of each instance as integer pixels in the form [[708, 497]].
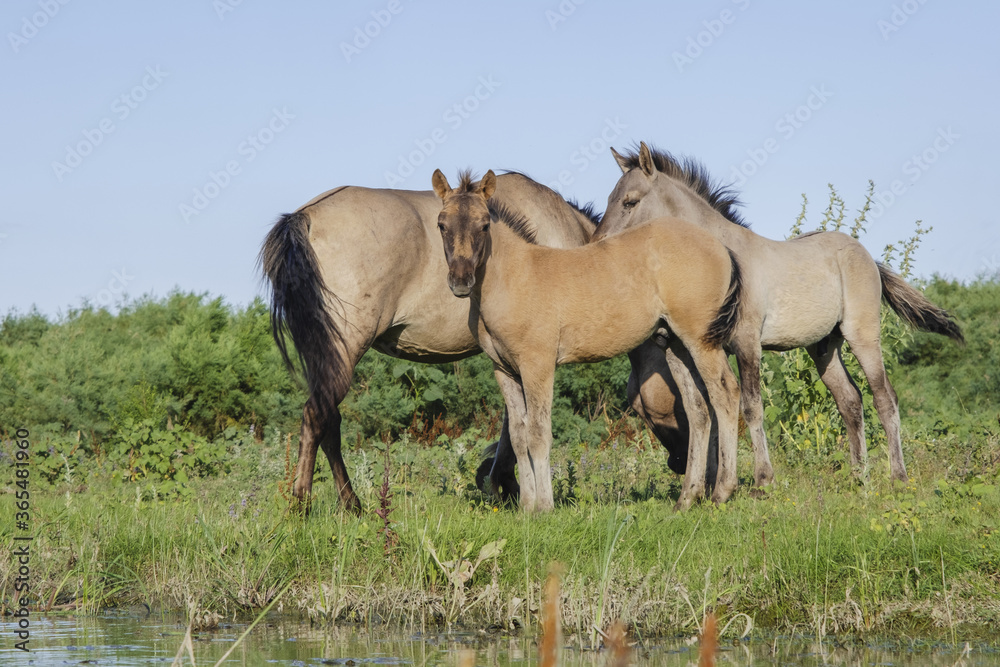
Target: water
[[152, 640]]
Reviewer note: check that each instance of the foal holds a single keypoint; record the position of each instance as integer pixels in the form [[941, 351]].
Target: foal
[[534, 308]]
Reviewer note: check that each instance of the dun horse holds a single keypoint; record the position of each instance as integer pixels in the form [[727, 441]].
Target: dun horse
[[535, 307], [814, 291]]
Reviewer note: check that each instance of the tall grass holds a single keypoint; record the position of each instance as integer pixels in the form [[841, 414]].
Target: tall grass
[[820, 554]]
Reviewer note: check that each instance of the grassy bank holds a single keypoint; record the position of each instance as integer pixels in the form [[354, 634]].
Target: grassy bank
[[819, 554]]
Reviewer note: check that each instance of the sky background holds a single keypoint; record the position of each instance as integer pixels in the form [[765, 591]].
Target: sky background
[[150, 146]]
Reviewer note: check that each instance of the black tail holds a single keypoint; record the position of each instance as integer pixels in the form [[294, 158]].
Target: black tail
[[721, 329], [915, 308], [299, 307]]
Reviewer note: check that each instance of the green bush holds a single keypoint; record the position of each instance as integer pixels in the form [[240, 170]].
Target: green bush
[[167, 388]]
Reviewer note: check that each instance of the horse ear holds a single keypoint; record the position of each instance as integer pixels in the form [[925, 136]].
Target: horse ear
[[620, 159], [440, 183], [488, 185], [646, 159]]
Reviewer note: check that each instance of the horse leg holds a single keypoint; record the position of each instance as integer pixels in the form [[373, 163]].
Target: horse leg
[[517, 416], [828, 357], [699, 425], [748, 361], [654, 395], [332, 448], [538, 389], [495, 474], [868, 352], [724, 397], [313, 436], [309, 437]]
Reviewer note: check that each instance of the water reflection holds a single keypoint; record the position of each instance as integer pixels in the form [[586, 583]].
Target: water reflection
[[131, 640]]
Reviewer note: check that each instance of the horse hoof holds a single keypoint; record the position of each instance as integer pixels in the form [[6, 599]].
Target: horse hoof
[[483, 476], [722, 494], [300, 506], [683, 504], [763, 477], [510, 493]]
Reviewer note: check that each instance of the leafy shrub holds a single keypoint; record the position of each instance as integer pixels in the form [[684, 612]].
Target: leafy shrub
[[143, 451]]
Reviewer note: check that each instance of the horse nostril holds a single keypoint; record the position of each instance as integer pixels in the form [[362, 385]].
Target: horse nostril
[[460, 287]]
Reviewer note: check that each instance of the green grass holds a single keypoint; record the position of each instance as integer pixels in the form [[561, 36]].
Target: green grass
[[819, 554]]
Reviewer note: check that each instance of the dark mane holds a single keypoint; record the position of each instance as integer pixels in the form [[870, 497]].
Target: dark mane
[[517, 222], [587, 210], [723, 198], [466, 181]]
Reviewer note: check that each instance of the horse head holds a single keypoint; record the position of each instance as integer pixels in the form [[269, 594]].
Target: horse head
[[633, 200], [464, 223], [655, 184]]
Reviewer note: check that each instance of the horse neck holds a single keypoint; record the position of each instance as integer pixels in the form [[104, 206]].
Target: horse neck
[[504, 252], [683, 202]]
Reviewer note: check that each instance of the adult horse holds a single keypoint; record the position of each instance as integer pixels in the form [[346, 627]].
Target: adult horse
[[534, 308], [814, 291], [357, 268]]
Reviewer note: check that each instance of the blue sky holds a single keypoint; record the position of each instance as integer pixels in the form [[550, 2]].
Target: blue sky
[[150, 146]]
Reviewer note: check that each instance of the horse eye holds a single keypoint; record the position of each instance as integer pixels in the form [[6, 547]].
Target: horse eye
[[441, 228], [629, 203], [486, 227]]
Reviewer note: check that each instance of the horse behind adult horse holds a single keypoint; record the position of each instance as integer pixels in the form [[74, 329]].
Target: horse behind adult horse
[[814, 291], [534, 308]]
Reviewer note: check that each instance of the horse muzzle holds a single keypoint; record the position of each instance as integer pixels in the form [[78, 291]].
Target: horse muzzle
[[461, 289], [462, 278]]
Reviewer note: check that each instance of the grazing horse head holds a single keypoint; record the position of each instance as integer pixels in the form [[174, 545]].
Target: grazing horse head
[[655, 184], [464, 223]]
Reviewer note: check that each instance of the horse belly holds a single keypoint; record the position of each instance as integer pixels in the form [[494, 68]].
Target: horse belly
[[437, 336], [796, 319], [603, 335]]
